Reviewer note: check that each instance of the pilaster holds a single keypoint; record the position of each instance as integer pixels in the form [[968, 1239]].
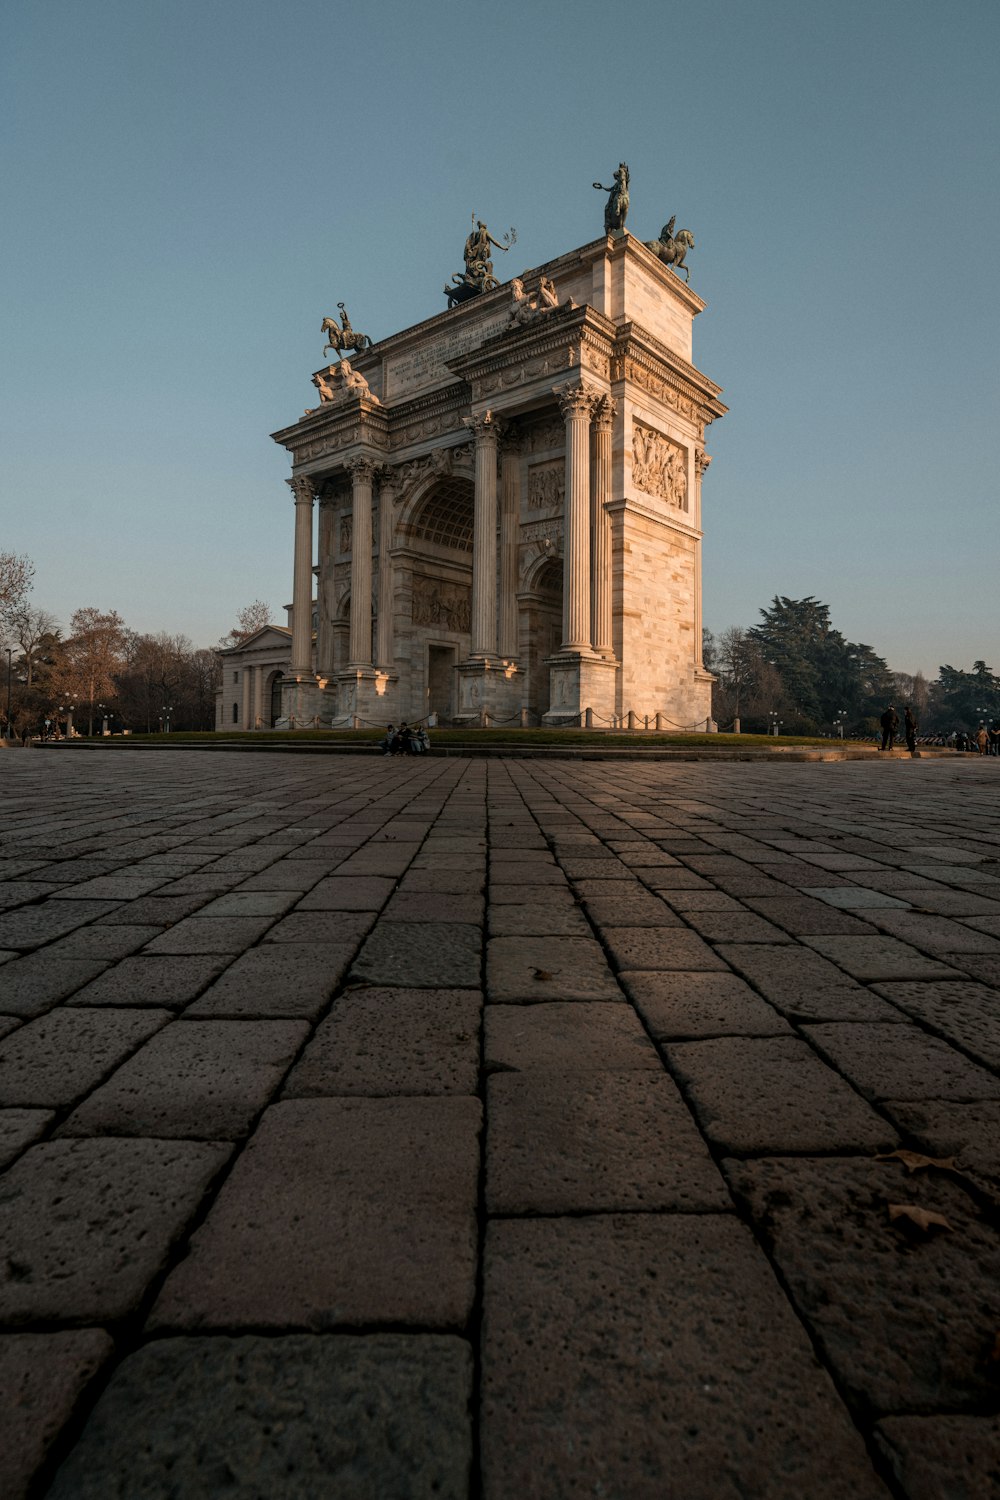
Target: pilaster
[[576, 402]]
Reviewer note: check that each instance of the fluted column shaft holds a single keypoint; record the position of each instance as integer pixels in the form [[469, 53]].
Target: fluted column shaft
[[362, 473], [576, 403], [601, 528], [510, 517], [701, 463], [484, 538], [302, 580], [383, 640], [324, 590]]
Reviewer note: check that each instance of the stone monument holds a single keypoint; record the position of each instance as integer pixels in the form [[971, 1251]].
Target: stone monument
[[498, 511]]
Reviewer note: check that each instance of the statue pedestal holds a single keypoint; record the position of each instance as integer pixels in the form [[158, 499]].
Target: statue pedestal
[[578, 682], [489, 689], [366, 695]]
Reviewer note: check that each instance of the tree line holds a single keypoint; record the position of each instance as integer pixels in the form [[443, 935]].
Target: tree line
[[794, 670], [100, 670]]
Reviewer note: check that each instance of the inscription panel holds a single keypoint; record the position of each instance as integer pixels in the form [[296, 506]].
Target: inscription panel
[[425, 366]]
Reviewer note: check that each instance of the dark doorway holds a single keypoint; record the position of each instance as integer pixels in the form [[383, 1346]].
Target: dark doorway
[[441, 680], [275, 706]]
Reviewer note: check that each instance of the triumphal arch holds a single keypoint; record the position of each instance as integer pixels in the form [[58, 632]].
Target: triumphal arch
[[509, 506]]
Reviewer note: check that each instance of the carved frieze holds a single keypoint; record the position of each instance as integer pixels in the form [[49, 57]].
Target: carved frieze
[[547, 485], [543, 531], [448, 605], [659, 465]]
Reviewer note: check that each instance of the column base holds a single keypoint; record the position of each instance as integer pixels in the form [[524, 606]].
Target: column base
[[365, 694], [578, 682], [301, 701], [489, 691]]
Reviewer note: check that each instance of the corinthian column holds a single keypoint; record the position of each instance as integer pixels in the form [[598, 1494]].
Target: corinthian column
[[576, 402], [604, 413], [302, 581], [510, 516], [701, 463], [383, 634], [485, 428], [362, 472]]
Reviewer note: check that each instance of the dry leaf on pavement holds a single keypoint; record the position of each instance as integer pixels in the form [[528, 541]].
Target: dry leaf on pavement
[[915, 1217], [913, 1161]]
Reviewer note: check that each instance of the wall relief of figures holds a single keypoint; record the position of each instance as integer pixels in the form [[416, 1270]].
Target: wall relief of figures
[[345, 533], [448, 605], [546, 435], [659, 466], [547, 486]]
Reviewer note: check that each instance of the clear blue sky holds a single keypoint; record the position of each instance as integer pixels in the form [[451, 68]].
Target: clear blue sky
[[190, 186]]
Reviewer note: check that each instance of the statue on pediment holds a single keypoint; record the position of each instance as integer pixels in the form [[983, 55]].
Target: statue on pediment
[[478, 274], [342, 336], [616, 208], [341, 382], [527, 307], [672, 248]]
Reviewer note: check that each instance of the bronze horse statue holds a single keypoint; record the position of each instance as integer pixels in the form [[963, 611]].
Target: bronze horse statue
[[672, 248], [616, 208], [342, 335]]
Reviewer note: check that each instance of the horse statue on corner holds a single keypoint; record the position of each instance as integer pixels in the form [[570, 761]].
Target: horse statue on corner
[[672, 248], [342, 335]]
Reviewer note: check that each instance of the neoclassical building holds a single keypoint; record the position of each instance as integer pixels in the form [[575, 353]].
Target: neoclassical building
[[498, 511]]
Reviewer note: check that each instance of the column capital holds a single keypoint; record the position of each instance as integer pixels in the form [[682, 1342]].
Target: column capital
[[485, 426], [701, 460], [302, 488], [576, 398], [604, 412], [361, 467]]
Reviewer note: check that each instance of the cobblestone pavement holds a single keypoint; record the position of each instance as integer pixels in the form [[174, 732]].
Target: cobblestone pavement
[[498, 1128]]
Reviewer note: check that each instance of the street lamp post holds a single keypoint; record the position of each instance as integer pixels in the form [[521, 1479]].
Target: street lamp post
[[838, 723], [7, 726], [774, 721], [166, 718]]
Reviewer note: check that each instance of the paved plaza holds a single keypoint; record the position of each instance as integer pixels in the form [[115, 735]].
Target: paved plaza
[[519, 1129]]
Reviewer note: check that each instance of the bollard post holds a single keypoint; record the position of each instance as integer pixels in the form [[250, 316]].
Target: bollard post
[[589, 718], [524, 719], [659, 719], [631, 719]]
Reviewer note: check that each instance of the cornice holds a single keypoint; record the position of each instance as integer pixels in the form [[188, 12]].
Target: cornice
[[672, 522]]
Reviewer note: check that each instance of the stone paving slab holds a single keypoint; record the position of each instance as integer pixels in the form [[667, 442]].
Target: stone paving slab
[[906, 1321], [171, 980], [936, 1457], [348, 893], [286, 1418], [594, 1141], [19, 1128], [772, 1094], [198, 934], [367, 1205], [42, 1376], [805, 986], [654, 1357], [33, 983], [529, 970], [682, 1005], [432, 955], [943, 1128], [52, 1062], [380, 1042], [276, 980], [901, 1062], [86, 1225], [201, 1080], [31, 926], [564, 1036]]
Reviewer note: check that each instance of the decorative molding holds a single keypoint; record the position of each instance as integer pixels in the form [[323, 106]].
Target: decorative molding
[[659, 465], [576, 399], [547, 485], [546, 435], [604, 413], [702, 461], [302, 488]]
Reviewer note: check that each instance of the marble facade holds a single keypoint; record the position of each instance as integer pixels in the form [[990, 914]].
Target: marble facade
[[498, 511]]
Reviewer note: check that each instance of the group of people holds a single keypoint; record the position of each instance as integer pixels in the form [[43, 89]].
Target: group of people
[[986, 741], [890, 728], [404, 740]]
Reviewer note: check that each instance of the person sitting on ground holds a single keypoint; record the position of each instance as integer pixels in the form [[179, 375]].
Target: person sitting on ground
[[403, 739], [425, 740], [387, 744]]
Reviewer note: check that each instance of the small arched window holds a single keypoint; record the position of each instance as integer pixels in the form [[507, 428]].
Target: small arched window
[[236, 713]]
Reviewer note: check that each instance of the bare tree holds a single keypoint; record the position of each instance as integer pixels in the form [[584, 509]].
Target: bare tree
[[16, 573], [95, 653], [251, 618], [32, 629]]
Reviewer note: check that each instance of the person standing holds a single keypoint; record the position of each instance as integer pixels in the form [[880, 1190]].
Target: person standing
[[910, 727], [890, 723]]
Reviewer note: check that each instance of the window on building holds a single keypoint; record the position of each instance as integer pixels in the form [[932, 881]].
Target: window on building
[[236, 676], [236, 713]]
